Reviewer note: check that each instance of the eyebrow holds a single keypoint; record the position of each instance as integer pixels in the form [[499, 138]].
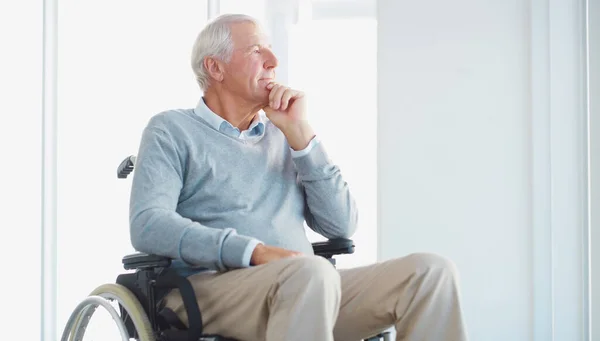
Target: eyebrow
[[259, 45]]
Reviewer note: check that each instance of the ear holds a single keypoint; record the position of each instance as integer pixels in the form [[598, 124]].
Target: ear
[[214, 68]]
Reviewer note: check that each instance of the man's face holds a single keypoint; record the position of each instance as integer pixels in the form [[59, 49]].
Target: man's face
[[252, 64]]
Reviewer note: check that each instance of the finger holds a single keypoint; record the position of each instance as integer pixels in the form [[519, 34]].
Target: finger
[[273, 92], [287, 95], [277, 97]]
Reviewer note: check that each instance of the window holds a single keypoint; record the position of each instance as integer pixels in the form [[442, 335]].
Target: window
[[21, 170], [335, 62], [120, 62]]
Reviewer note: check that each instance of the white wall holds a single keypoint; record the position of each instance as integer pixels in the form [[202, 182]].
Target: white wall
[[481, 152]]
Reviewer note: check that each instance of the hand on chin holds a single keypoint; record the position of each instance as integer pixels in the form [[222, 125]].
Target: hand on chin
[[286, 107]]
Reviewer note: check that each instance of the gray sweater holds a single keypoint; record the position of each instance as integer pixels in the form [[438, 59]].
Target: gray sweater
[[202, 197]]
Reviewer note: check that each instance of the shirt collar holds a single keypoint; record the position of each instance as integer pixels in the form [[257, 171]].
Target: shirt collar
[[257, 127]]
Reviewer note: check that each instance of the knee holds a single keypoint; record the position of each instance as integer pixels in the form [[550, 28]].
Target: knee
[[315, 269], [431, 263]]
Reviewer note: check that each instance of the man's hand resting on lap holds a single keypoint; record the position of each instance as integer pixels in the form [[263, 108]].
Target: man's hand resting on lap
[[263, 254]]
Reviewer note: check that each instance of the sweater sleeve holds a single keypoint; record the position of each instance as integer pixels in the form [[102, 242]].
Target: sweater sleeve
[[155, 225], [330, 207]]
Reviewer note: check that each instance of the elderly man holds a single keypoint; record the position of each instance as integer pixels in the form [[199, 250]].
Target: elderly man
[[225, 189]]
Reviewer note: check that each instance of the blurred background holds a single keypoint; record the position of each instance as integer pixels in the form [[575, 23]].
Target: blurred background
[[468, 128]]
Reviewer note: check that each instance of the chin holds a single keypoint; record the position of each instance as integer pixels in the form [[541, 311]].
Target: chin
[[263, 96]]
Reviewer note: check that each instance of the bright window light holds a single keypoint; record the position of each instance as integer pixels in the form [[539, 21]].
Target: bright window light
[[21, 169], [254, 8], [120, 62], [335, 62]]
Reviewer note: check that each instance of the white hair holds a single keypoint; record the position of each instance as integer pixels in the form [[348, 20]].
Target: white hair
[[215, 41]]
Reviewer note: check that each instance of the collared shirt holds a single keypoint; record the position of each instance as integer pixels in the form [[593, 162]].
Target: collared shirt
[[253, 134]]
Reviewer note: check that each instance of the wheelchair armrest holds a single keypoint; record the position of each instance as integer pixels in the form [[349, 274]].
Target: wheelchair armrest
[[327, 249], [333, 247], [141, 260]]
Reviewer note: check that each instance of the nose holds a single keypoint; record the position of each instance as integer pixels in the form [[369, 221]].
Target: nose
[[271, 61]]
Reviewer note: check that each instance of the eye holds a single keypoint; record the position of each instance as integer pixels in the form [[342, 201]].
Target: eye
[[256, 50]]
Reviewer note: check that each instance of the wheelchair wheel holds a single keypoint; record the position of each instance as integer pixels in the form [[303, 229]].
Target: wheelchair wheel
[[129, 303]]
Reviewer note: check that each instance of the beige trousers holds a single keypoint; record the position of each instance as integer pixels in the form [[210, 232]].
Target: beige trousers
[[306, 299]]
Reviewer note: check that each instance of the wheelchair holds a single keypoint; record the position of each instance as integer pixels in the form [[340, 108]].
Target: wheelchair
[[139, 292]]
